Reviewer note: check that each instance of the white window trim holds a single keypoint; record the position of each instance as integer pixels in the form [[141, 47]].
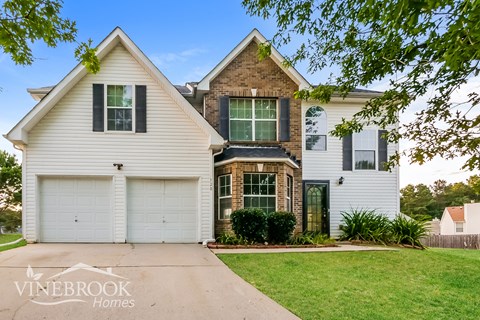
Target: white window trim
[[375, 149], [224, 197], [105, 111], [304, 120], [253, 119], [289, 198], [263, 195]]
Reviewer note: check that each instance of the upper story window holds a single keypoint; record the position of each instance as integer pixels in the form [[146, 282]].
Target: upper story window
[[316, 129], [365, 148], [119, 102], [253, 119]]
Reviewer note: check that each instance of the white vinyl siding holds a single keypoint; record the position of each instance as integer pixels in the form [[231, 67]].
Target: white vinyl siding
[[63, 143], [361, 188]]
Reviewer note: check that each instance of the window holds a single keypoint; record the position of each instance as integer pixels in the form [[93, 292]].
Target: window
[[365, 143], [224, 196], [316, 129], [253, 119], [259, 191], [459, 227], [119, 108], [289, 195]]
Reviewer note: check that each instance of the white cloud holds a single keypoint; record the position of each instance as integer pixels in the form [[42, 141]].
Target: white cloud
[[163, 60]]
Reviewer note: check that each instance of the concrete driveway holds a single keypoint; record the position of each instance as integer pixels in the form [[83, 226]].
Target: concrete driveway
[[124, 281]]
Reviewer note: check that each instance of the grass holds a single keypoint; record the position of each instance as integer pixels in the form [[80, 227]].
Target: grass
[[406, 284], [6, 238]]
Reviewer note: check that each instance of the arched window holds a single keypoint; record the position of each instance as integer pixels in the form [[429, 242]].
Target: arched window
[[316, 129]]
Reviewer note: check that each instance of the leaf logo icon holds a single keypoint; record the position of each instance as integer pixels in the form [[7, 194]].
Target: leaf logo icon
[[32, 275]]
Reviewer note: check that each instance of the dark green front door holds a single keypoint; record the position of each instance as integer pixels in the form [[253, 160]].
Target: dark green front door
[[315, 209]]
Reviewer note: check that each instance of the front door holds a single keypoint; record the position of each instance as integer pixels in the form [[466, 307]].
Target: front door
[[315, 209]]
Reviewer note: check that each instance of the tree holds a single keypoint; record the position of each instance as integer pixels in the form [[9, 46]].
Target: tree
[[424, 45], [417, 200], [431, 201], [22, 22], [10, 191]]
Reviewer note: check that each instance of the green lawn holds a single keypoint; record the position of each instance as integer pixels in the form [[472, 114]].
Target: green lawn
[[406, 284], [6, 238]]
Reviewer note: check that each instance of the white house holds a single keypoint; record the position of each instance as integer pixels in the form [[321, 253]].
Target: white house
[[90, 178], [461, 220], [125, 156]]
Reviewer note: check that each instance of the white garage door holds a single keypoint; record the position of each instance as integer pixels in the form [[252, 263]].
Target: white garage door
[[162, 211], [76, 210]]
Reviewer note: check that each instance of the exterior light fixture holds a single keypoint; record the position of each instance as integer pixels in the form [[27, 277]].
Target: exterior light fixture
[[340, 181], [118, 165]]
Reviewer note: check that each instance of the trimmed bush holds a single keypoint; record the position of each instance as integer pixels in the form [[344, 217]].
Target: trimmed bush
[[366, 225], [250, 224], [408, 231], [280, 226]]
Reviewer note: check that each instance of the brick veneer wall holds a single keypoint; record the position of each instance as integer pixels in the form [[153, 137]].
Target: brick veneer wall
[[236, 80], [237, 170]]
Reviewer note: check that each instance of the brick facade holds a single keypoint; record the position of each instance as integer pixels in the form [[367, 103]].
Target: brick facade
[[236, 80]]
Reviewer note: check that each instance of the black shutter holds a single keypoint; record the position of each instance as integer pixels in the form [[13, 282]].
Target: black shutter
[[98, 107], [347, 153], [382, 150], [140, 108], [224, 126], [284, 119]]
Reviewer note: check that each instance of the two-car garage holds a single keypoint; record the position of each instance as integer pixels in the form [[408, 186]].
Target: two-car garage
[[83, 209]]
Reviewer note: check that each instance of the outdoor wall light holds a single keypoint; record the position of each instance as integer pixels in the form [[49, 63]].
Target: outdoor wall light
[[340, 181], [118, 165]]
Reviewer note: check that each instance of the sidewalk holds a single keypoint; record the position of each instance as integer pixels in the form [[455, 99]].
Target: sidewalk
[[340, 248]]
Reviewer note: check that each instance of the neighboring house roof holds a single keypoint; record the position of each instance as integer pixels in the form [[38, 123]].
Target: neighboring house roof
[[255, 153], [19, 134], [256, 36], [456, 213]]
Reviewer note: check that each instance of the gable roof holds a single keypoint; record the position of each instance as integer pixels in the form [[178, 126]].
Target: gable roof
[[456, 213], [256, 36], [19, 133]]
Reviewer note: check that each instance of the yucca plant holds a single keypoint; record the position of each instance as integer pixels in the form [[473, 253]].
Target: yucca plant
[[408, 231], [366, 225]]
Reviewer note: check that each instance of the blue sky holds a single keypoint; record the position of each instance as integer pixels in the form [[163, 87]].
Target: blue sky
[[185, 39]]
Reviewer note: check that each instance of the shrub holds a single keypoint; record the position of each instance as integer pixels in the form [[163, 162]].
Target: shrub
[[10, 220], [250, 224], [231, 239], [280, 226], [367, 225], [310, 237], [408, 231]]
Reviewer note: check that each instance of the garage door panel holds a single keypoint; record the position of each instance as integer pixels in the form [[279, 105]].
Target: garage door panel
[[161, 210], [76, 210]]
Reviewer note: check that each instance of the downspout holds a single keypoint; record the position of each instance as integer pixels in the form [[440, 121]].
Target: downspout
[[206, 241]]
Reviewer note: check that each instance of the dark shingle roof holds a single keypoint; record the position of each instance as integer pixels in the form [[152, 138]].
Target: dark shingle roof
[[255, 152]]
